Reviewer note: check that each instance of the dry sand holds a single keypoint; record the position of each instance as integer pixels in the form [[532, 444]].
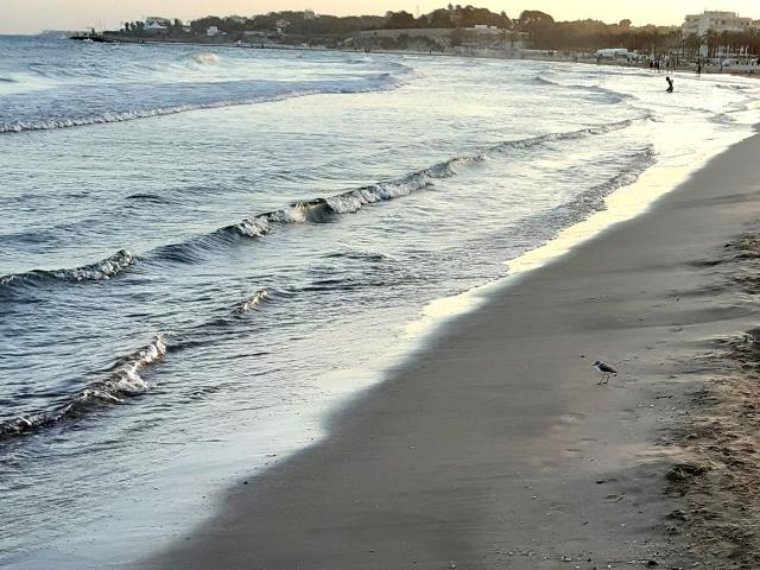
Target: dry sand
[[495, 448], [720, 474]]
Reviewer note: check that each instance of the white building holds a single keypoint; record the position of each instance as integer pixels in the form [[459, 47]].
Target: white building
[[212, 31], [716, 21], [484, 29], [281, 26], [155, 24]]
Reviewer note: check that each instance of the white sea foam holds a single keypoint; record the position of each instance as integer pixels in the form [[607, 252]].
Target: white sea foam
[[206, 58], [61, 107]]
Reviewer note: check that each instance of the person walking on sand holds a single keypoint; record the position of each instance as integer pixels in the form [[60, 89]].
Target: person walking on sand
[[670, 84]]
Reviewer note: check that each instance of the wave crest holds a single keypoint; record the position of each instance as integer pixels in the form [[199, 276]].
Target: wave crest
[[251, 302], [61, 108], [324, 210], [609, 95], [124, 381], [101, 270], [205, 58]]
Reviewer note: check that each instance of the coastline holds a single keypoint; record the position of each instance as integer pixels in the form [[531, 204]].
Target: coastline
[[519, 55], [494, 447]]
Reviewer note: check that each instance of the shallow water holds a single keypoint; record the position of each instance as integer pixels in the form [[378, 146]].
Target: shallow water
[[200, 252]]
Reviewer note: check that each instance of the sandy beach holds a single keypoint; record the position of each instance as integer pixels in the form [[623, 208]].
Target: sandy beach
[[495, 447]]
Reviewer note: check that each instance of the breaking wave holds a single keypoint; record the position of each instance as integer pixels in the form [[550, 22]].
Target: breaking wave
[[609, 95], [322, 209], [251, 302], [101, 270], [61, 108], [205, 58], [123, 381]]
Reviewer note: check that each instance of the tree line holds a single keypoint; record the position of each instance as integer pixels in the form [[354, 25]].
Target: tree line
[[538, 30], [718, 43]]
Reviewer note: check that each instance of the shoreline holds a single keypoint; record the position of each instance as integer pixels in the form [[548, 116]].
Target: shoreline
[[495, 437]]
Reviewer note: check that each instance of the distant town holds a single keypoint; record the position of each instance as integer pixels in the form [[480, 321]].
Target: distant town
[[722, 38]]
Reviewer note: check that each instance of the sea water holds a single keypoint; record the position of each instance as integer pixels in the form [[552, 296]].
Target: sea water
[[205, 251]]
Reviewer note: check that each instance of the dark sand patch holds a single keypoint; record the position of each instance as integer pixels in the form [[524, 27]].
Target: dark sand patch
[[719, 513]]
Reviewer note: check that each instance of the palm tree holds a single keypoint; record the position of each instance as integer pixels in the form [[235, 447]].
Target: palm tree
[[711, 38], [693, 43], [725, 42]]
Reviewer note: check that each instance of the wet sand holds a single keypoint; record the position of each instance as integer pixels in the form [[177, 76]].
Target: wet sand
[[494, 447]]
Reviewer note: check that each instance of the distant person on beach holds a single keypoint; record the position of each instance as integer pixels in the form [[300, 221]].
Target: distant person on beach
[[699, 67], [670, 84]]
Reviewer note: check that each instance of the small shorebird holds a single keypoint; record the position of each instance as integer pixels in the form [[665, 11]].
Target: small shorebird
[[605, 370]]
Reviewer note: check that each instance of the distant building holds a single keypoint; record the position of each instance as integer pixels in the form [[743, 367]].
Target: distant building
[[154, 24], [212, 31], [281, 26], [484, 29], [717, 21]]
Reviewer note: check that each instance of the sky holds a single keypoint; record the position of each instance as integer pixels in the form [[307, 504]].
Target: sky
[[32, 16]]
